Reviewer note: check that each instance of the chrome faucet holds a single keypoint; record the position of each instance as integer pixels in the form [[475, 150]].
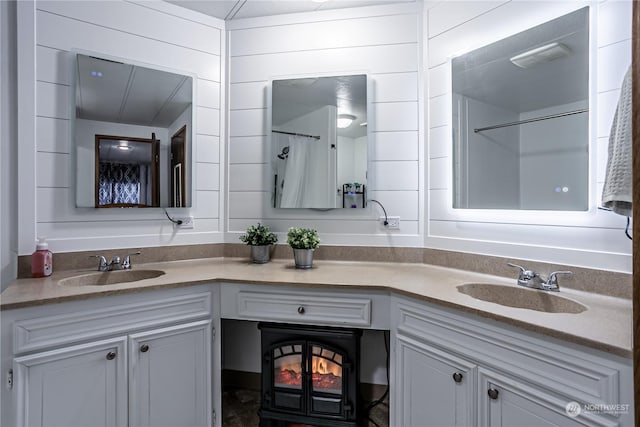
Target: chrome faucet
[[531, 279], [115, 262]]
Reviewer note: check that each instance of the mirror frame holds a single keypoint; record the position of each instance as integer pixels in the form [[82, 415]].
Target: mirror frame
[[533, 217], [460, 127], [191, 153], [276, 212]]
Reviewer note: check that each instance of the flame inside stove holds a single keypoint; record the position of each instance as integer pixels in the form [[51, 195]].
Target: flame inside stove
[[326, 375]]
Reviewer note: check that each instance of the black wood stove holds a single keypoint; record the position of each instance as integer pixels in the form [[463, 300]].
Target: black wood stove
[[310, 376]]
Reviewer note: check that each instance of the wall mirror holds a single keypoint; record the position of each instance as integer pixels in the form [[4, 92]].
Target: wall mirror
[[319, 142], [521, 120], [133, 135]]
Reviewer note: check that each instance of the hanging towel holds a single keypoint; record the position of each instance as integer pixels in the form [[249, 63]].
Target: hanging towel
[[616, 194]]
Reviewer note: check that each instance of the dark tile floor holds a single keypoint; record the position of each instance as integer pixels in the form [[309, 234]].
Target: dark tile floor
[[240, 409]]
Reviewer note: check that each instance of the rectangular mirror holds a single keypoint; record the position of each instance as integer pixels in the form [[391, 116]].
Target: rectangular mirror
[[521, 120], [319, 142], [133, 132]]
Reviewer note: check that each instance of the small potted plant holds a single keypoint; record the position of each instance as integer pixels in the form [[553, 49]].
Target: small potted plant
[[303, 241], [261, 239]]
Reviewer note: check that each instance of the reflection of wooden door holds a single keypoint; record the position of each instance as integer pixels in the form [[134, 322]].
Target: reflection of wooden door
[[136, 152], [178, 168]]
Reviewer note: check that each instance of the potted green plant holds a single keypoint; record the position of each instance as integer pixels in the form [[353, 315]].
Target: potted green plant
[[261, 238], [303, 241]]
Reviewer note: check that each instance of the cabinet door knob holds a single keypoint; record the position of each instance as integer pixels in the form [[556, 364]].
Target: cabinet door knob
[[111, 355], [144, 348], [493, 393], [301, 310], [457, 377]]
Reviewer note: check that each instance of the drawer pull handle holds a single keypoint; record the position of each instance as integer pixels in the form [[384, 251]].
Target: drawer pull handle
[[493, 393], [111, 355], [457, 377], [301, 310], [144, 348]]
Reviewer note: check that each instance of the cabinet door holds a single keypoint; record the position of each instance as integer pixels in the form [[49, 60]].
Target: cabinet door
[[78, 386], [170, 376], [507, 402], [433, 388]]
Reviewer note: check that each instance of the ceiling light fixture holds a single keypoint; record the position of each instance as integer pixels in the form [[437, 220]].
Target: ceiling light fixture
[[540, 55], [345, 120]]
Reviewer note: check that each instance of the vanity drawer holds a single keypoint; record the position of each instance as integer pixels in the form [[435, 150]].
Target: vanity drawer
[[303, 307]]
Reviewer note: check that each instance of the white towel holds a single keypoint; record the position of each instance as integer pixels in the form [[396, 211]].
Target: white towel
[[617, 194]]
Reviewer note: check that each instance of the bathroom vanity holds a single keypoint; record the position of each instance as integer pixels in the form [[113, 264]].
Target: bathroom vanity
[[124, 349]]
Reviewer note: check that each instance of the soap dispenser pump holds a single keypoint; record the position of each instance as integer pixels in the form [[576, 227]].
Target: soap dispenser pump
[[42, 259]]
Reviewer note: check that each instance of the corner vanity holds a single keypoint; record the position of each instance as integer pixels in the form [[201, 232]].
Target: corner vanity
[[126, 349]]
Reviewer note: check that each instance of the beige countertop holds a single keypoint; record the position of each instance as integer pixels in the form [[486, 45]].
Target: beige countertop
[[606, 324]]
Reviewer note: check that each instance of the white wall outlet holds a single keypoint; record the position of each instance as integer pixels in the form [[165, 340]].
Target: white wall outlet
[[187, 222], [393, 222]]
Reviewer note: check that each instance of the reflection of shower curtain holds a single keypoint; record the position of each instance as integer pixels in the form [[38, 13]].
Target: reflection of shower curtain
[[119, 184], [293, 189], [305, 177]]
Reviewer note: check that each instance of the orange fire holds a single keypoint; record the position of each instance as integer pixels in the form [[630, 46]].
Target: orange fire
[[325, 375]]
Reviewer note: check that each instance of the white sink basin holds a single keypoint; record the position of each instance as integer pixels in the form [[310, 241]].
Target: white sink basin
[[530, 299], [110, 277]]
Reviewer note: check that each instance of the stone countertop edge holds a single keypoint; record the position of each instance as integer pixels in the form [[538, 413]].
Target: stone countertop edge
[[429, 283]]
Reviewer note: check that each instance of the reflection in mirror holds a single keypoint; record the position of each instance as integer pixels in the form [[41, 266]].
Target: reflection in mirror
[[521, 122], [133, 128], [319, 142], [126, 175]]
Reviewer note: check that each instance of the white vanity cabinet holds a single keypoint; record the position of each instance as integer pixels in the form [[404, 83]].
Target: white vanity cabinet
[[142, 360], [81, 385], [449, 398], [455, 369], [169, 376]]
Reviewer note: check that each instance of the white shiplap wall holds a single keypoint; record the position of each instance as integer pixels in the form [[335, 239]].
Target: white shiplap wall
[[593, 239], [154, 33], [383, 42]]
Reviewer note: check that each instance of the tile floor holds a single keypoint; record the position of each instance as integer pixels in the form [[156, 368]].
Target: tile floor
[[240, 409]]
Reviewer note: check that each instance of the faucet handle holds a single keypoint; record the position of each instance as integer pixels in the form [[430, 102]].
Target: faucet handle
[[522, 269], [553, 277], [103, 266], [126, 264], [524, 273]]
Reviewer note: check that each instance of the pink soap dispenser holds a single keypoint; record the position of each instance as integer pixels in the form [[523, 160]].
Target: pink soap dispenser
[[41, 259]]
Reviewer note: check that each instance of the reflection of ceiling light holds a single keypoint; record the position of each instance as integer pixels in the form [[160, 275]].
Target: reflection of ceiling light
[[363, 124], [124, 145], [344, 120], [96, 73], [540, 55]]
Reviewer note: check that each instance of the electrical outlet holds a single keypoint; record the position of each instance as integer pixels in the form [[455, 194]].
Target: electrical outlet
[[393, 222], [187, 222]]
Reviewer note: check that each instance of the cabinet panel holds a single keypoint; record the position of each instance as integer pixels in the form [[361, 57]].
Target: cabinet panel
[[170, 376], [506, 402], [78, 386], [80, 325], [435, 388]]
